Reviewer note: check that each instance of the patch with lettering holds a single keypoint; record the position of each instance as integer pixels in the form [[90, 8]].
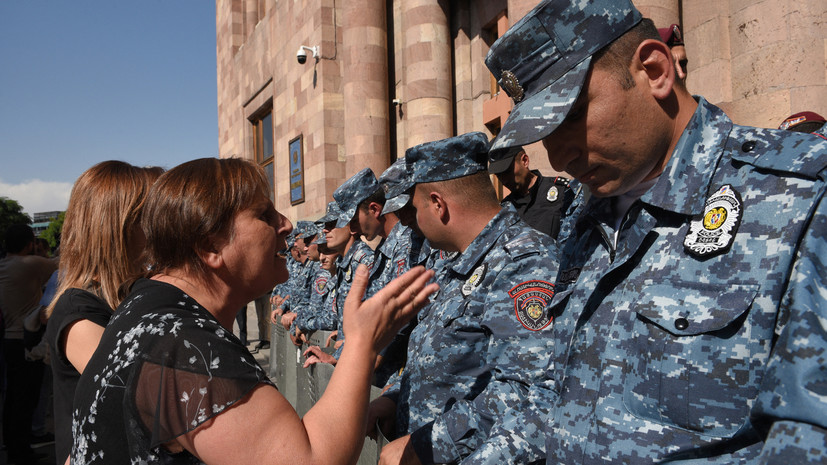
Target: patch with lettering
[[474, 281], [320, 284], [552, 194], [400, 267], [531, 301], [714, 231], [569, 276]]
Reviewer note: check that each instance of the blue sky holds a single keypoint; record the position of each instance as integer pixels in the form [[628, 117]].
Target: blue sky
[[91, 80]]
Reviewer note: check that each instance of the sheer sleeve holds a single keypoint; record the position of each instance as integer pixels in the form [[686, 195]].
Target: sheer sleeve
[[188, 379]]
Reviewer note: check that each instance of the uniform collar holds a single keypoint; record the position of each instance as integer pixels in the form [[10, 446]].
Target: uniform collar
[[684, 185], [389, 243], [466, 261]]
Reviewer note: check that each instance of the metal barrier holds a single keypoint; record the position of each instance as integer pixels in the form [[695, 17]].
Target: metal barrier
[[302, 387]]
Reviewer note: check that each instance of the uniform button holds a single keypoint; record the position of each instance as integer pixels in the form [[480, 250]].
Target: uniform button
[[748, 146], [681, 324]]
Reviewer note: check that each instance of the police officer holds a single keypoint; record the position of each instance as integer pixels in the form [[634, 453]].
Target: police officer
[[486, 337], [691, 295], [541, 201]]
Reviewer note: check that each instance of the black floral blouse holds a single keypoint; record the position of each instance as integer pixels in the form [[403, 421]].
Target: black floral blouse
[[163, 367]]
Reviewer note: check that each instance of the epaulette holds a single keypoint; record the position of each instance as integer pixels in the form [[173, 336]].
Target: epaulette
[[796, 153], [561, 181], [523, 245]]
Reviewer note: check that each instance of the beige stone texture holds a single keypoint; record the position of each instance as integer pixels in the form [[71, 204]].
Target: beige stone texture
[[760, 60]]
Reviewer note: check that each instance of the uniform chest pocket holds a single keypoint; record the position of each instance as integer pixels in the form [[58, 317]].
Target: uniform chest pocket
[[695, 364]]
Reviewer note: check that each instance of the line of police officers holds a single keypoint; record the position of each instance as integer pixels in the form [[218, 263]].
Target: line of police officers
[[677, 315]]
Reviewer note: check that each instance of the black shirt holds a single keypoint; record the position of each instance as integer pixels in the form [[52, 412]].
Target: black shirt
[[543, 206]]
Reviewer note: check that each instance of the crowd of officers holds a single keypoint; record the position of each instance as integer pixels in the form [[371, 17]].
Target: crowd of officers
[[670, 308]]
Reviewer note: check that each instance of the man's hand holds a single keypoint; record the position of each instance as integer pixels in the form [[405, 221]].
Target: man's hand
[[399, 452], [330, 338], [287, 319], [382, 410], [277, 301], [315, 355]]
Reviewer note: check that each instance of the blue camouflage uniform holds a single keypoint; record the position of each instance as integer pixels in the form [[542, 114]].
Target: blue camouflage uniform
[[320, 313], [348, 196], [485, 338], [698, 334]]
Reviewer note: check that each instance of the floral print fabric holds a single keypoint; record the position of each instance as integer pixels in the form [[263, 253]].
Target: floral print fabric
[[163, 367]]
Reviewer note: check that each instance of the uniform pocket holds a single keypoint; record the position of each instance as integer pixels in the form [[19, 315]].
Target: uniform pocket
[[695, 356]]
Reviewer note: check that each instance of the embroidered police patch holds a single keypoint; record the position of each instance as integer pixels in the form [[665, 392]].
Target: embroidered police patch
[[552, 194], [474, 281], [320, 284], [531, 300], [714, 231]]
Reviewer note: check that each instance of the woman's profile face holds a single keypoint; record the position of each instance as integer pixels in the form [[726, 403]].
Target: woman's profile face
[[251, 257]]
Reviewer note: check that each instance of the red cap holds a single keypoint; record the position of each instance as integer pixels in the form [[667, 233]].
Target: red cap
[[671, 35], [802, 117]]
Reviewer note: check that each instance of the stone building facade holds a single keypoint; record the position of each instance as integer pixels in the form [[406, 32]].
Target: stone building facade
[[381, 76]]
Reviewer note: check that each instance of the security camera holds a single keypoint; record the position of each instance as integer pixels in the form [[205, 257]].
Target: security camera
[[301, 53]]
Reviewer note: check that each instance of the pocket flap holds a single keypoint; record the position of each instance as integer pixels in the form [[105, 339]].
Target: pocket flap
[[690, 308]]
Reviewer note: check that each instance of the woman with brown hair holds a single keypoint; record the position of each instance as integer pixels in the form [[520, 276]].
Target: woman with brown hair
[[101, 248], [170, 383]]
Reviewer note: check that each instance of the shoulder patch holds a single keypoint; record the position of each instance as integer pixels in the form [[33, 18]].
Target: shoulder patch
[[531, 300], [320, 284]]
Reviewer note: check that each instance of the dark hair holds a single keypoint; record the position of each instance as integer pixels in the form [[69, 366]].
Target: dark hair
[[18, 236], [378, 197], [615, 57], [191, 208]]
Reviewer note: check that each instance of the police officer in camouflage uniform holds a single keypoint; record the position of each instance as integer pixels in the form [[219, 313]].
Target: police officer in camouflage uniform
[[691, 295], [487, 335]]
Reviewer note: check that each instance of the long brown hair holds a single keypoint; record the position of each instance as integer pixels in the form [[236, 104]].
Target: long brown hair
[[104, 214]]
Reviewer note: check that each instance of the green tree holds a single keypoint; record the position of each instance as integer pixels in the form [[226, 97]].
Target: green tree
[[52, 232], [11, 213]]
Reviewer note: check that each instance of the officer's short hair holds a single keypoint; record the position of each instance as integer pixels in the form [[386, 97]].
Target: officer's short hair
[[470, 191], [378, 196], [616, 57]]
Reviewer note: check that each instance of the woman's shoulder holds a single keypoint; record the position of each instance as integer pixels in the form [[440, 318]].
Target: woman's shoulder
[[80, 303]]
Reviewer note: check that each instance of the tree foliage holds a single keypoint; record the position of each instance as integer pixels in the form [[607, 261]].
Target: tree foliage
[[11, 213], [52, 232]]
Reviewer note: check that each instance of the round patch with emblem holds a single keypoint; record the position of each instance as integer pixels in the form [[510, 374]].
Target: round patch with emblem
[[552, 194], [320, 284], [474, 281], [714, 231], [531, 300], [509, 83]]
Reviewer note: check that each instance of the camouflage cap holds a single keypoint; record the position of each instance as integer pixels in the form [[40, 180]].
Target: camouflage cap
[[446, 159], [395, 182], [350, 194], [500, 160], [542, 61], [332, 213]]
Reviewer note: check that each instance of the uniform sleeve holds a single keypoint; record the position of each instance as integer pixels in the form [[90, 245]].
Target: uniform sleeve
[[516, 358], [518, 436], [790, 405]]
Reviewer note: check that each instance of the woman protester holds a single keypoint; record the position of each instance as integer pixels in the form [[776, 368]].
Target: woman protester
[[170, 383], [101, 247]]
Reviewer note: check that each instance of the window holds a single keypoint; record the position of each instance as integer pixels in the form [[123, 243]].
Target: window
[[263, 134], [263, 146]]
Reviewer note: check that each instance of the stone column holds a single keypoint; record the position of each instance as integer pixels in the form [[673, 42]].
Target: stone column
[[427, 99], [365, 85]]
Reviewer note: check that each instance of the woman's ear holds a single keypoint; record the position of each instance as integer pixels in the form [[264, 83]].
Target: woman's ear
[[655, 60], [210, 254]]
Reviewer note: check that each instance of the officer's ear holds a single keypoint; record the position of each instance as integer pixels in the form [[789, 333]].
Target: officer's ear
[[439, 206], [654, 58], [375, 210]]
